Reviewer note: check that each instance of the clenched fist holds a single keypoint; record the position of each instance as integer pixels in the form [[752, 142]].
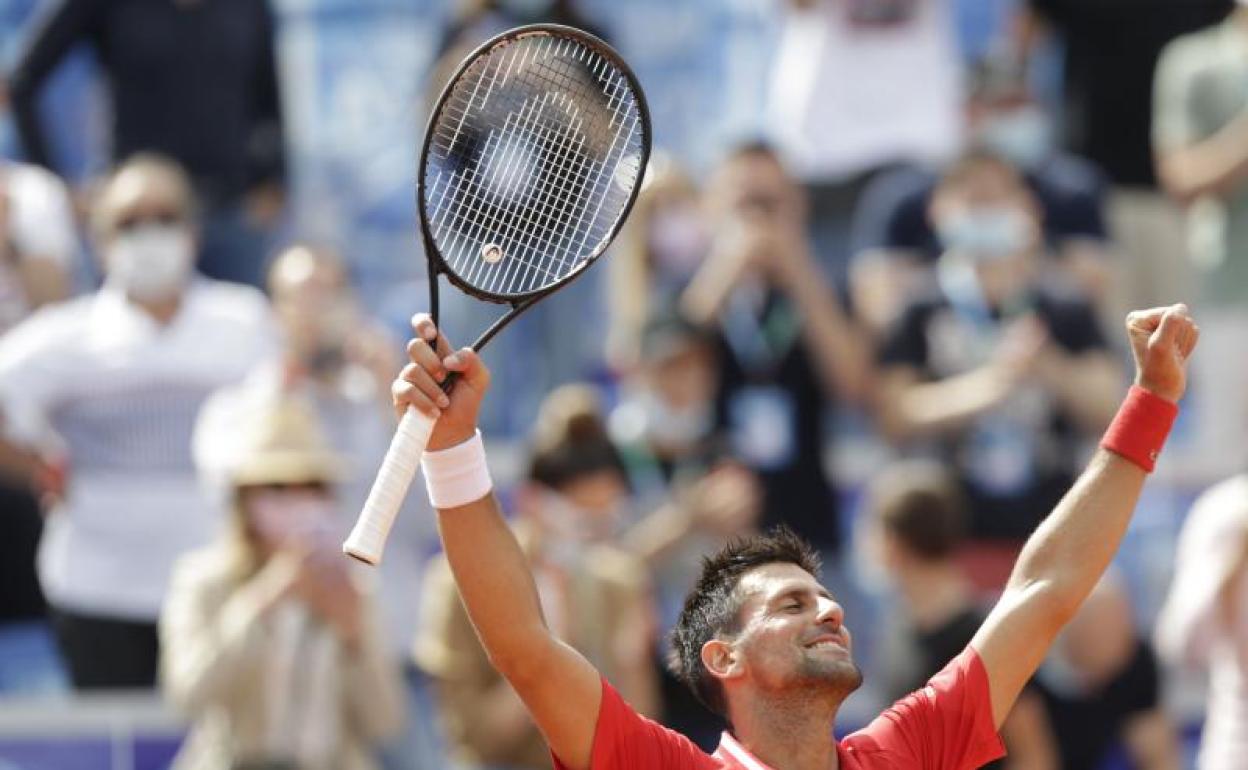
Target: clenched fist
[[1161, 341]]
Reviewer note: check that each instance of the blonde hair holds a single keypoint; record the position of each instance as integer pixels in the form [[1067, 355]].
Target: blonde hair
[[151, 167], [632, 265]]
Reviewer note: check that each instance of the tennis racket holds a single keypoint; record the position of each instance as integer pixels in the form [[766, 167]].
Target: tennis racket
[[532, 158]]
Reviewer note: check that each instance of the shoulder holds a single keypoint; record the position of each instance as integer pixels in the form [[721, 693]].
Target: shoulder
[[230, 300], [206, 571], [626, 740], [1064, 175], [946, 724], [1220, 511], [51, 326], [1192, 47]]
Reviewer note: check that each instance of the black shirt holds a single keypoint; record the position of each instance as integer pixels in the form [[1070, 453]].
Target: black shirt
[[21, 523], [1017, 461], [1088, 724], [925, 653], [893, 210], [194, 80], [772, 409], [1111, 50]]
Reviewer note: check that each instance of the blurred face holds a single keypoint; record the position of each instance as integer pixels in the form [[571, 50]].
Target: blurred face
[[587, 509], [753, 188], [313, 306], [989, 218], [147, 242], [294, 516], [793, 636], [676, 236], [1012, 126], [679, 389]]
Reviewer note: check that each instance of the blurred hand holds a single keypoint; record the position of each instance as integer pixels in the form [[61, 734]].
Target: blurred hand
[[1020, 349], [417, 386], [263, 204], [726, 501], [1161, 341], [329, 591]]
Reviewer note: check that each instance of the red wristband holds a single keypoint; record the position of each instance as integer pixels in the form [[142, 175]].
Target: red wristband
[[1140, 428]]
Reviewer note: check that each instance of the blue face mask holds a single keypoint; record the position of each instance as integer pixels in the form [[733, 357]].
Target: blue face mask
[[986, 232], [1022, 136]]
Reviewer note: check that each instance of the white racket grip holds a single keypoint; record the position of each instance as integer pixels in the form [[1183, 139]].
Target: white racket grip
[[368, 539]]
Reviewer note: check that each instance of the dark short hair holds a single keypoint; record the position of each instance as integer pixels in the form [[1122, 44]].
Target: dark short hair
[[714, 606], [920, 504], [570, 440]]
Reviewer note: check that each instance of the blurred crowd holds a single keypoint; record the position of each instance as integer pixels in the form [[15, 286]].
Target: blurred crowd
[[889, 319]]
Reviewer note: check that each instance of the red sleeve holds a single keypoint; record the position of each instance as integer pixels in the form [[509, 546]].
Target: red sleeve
[[625, 740], [945, 726]]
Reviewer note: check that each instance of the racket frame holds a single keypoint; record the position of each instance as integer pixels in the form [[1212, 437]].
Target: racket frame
[[437, 265]]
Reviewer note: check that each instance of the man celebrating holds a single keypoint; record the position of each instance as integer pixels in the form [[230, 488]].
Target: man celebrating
[[760, 640]]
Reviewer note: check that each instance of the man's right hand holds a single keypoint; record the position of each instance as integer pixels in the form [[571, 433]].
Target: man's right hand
[[418, 384], [1161, 340]]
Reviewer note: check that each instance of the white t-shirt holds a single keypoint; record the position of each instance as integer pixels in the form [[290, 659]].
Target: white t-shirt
[[1193, 627], [854, 87], [40, 224], [118, 394]]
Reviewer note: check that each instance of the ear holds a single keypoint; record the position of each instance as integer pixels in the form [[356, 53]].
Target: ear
[[722, 659]]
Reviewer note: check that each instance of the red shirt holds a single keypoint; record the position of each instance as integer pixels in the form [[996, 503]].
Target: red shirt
[[945, 726]]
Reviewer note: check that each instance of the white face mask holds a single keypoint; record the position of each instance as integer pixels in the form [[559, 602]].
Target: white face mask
[[1021, 136], [151, 262], [986, 232]]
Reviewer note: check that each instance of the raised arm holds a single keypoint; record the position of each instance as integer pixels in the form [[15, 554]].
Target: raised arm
[[1068, 553], [560, 688]]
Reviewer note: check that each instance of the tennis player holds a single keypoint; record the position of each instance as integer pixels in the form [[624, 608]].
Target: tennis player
[[760, 640]]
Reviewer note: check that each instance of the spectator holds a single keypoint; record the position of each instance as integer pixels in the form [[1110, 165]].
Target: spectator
[[105, 388], [1003, 370], [38, 241], [895, 245], [1101, 688], [38, 245], [786, 349], [335, 361], [1200, 127], [846, 100], [695, 494], [594, 595], [918, 522], [268, 644], [658, 250], [194, 81], [1204, 622], [1109, 53]]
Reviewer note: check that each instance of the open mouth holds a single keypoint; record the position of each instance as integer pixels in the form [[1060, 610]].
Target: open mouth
[[826, 643]]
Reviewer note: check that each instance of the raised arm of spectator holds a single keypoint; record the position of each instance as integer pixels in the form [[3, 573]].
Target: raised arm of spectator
[[59, 26], [1191, 162], [560, 688], [1066, 556]]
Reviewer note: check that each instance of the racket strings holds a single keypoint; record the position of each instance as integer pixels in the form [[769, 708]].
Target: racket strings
[[535, 153], [560, 183]]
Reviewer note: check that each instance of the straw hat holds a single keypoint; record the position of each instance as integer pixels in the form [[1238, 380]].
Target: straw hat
[[284, 444]]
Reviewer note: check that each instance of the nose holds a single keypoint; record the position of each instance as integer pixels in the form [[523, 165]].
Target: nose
[[830, 612]]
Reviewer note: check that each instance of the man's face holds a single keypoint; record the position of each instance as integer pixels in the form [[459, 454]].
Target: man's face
[[793, 634]]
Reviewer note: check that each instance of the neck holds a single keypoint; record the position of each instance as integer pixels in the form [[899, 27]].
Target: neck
[[792, 732], [162, 310], [933, 592]]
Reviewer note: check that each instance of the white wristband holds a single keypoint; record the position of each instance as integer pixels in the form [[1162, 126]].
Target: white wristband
[[458, 475]]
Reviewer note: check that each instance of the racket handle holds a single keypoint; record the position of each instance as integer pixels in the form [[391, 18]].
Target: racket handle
[[368, 539]]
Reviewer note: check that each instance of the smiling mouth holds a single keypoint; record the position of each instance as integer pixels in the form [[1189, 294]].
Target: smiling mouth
[[826, 643]]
